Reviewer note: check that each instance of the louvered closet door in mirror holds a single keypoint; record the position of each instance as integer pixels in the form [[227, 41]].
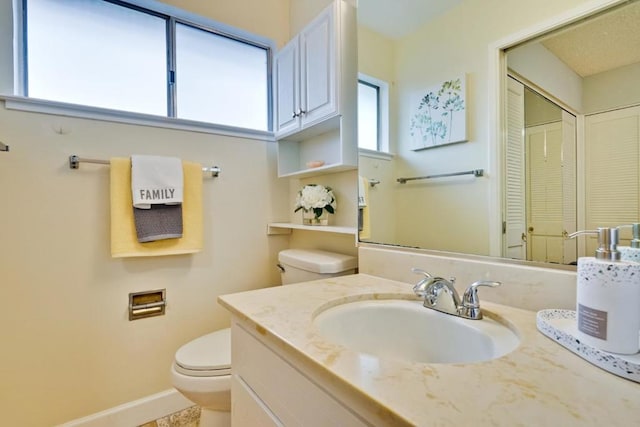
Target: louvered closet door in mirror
[[612, 180]]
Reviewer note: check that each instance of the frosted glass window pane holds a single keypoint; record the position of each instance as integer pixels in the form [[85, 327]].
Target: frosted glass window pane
[[220, 80], [367, 116], [96, 53]]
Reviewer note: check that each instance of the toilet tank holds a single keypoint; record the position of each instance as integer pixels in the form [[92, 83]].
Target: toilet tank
[[303, 265]]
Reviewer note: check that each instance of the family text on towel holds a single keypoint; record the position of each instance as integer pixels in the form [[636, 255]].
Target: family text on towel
[[161, 194]]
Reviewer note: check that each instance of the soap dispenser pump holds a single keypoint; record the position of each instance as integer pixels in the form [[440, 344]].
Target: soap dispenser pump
[[607, 296], [631, 252]]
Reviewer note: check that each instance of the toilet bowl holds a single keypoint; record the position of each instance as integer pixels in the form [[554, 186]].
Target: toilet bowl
[[201, 370]]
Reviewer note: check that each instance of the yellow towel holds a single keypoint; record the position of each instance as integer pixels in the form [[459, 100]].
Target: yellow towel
[[365, 233], [124, 242]]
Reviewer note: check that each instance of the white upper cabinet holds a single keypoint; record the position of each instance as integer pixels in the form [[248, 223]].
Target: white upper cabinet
[[287, 88], [305, 71], [318, 69], [315, 87]]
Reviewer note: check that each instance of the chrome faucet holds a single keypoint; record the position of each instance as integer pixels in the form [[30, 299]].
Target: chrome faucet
[[432, 288]]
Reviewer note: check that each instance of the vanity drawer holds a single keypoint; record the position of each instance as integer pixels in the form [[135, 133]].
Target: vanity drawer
[[247, 409], [292, 397]]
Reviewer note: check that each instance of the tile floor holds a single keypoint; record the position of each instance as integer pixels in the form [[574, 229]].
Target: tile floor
[[189, 417]]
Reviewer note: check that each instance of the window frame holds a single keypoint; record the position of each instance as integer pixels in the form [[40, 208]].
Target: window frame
[[173, 16], [382, 89]]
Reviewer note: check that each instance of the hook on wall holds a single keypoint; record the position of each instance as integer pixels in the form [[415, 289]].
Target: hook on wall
[[3, 146]]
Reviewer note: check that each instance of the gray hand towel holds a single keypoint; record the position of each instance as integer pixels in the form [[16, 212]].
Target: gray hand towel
[[158, 223]]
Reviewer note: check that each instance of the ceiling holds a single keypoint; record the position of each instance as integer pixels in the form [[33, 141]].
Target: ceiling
[[608, 41]]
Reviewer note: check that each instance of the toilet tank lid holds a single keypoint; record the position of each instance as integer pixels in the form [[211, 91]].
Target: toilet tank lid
[[317, 261]]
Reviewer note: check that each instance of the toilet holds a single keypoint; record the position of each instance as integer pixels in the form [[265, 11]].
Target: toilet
[[304, 265], [201, 370]]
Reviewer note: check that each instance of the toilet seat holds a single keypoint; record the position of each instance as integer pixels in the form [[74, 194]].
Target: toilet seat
[[207, 356]]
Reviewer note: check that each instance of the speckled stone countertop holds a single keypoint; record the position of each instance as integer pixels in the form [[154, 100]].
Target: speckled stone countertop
[[540, 383]]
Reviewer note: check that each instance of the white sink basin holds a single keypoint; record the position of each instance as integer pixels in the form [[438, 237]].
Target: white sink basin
[[405, 330]]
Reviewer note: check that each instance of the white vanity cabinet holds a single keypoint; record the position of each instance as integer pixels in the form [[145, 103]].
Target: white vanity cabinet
[[267, 390], [315, 95]]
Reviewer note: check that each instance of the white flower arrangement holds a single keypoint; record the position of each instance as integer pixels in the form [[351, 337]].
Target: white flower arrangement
[[316, 198]]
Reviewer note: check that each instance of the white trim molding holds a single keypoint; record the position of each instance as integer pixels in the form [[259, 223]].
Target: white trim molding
[[137, 412]]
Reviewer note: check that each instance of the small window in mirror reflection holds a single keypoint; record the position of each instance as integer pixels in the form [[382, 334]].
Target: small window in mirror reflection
[[368, 115], [373, 101]]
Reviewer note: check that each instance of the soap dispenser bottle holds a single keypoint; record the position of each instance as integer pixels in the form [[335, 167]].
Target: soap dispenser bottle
[[608, 296], [631, 252]]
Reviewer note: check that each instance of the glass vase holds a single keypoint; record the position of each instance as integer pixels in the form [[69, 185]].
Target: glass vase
[[309, 218]]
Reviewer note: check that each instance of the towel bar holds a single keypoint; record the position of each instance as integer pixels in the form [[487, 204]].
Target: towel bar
[[475, 172], [74, 163]]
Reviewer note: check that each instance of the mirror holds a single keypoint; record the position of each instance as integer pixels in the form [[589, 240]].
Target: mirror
[[596, 183]]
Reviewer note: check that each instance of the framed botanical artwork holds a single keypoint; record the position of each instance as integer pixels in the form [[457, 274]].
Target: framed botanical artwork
[[438, 115]]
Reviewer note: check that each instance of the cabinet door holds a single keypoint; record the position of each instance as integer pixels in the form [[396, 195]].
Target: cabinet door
[[318, 68], [287, 87], [247, 409], [267, 389]]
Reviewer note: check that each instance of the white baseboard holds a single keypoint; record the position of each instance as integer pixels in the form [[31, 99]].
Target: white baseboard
[[136, 412]]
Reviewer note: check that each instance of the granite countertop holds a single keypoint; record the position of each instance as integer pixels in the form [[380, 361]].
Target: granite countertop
[[539, 383]]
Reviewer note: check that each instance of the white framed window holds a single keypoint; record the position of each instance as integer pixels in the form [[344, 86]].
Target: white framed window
[[143, 57], [373, 114]]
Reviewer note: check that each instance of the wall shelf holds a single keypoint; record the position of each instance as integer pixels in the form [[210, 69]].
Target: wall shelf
[[276, 228]]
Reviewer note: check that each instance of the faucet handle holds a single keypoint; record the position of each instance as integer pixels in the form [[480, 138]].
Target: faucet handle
[[470, 306], [470, 298], [420, 288], [420, 271]]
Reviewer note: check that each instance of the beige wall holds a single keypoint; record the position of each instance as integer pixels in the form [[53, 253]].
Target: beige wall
[[612, 89], [303, 11], [454, 214], [267, 18], [376, 54], [376, 58], [68, 349]]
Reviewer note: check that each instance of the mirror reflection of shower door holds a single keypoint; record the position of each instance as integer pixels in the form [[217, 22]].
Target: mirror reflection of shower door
[[544, 192], [515, 242], [540, 178], [551, 190], [569, 187]]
